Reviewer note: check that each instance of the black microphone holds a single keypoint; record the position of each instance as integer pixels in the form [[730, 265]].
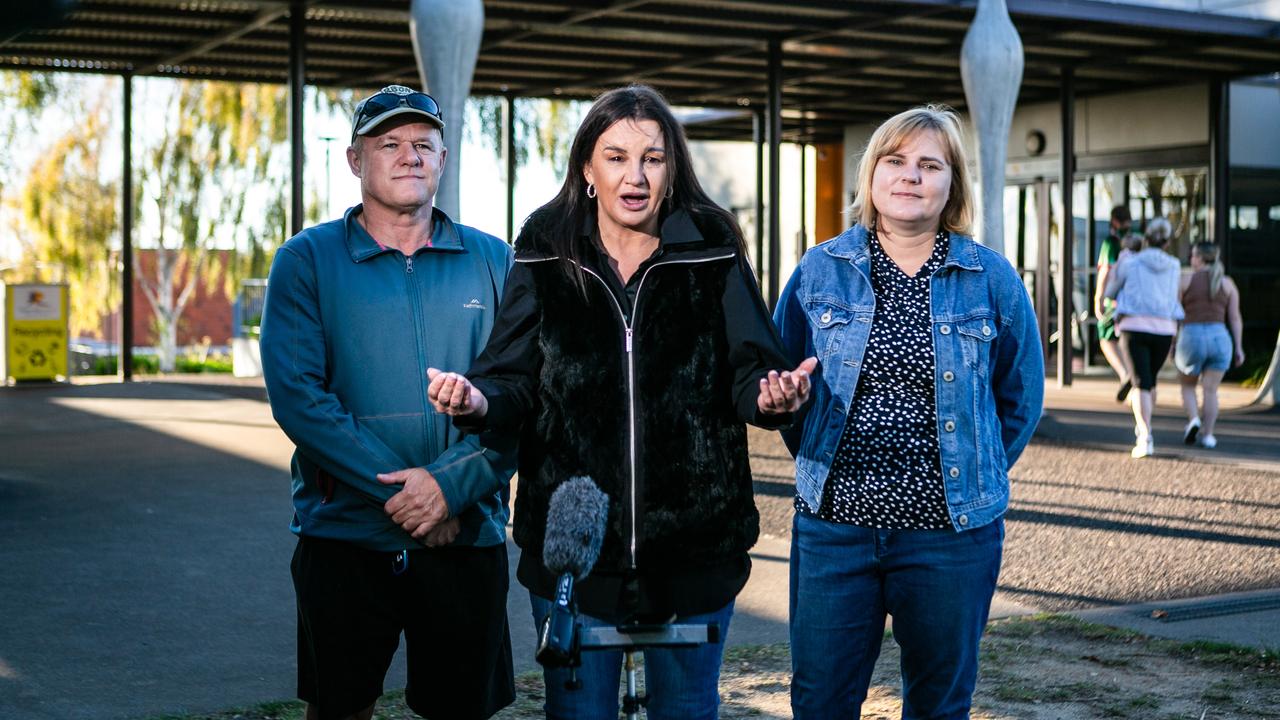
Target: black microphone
[[575, 531]]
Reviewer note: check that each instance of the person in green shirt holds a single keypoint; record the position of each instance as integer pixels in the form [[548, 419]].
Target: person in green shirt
[[1104, 308]]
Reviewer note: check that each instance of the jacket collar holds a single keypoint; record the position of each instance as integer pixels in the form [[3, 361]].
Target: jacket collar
[[680, 231], [362, 246], [852, 244]]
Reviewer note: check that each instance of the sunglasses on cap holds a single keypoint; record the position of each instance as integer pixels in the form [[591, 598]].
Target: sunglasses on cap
[[390, 101]]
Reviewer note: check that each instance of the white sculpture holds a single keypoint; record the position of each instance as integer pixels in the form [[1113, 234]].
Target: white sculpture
[[991, 68], [446, 40], [1269, 392]]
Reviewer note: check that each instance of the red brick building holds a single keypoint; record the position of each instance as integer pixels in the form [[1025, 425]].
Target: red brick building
[[208, 312]]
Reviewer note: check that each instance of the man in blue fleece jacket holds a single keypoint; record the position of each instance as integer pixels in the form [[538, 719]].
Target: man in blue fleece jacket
[[400, 517]]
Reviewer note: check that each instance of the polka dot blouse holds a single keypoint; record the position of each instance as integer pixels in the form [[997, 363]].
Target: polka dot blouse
[[886, 472]]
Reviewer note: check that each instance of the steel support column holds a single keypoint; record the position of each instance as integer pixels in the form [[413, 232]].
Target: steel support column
[[757, 128], [124, 367], [509, 155], [774, 132], [1219, 162], [297, 92], [1066, 184], [802, 241]]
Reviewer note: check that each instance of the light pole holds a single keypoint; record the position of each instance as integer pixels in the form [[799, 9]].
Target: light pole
[[328, 185]]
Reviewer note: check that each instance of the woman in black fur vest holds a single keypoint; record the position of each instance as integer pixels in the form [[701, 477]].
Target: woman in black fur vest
[[631, 347]]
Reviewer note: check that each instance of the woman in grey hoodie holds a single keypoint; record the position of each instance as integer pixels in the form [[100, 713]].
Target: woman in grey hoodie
[[1145, 288]]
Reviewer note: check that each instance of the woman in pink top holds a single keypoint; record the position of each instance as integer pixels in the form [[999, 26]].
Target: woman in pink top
[[1205, 349]]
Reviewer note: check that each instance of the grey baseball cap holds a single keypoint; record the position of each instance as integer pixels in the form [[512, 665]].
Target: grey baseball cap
[[391, 101]]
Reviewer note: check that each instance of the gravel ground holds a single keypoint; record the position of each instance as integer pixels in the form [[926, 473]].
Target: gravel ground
[[1089, 528]]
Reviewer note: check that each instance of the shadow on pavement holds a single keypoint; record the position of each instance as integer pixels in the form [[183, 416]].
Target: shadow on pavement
[[144, 536]]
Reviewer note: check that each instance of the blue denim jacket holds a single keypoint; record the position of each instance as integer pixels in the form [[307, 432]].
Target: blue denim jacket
[[988, 371]]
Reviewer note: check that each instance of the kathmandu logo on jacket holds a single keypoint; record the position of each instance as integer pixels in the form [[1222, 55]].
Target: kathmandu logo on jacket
[[475, 304]]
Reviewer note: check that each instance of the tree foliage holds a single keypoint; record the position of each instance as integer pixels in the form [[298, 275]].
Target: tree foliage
[[213, 176], [69, 203], [545, 127]]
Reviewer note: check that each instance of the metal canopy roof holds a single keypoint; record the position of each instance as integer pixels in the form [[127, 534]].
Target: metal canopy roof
[[842, 61]]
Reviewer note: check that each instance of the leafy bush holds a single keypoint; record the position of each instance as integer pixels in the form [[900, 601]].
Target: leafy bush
[[150, 365]]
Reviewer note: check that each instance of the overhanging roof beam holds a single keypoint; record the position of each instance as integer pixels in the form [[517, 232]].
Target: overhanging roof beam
[[264, 17], [1143, 16], [572, 19], [532, 30]]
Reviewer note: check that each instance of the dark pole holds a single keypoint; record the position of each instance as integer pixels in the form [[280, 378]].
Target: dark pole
[[1091, 287], [1066, 185], [1219, 161], [297, 90], [1044, 278], [775, 162], [509, 154], [757, 127], [124, 371], [802, 242]]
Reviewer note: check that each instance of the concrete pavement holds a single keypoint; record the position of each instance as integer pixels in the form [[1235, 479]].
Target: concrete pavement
[[143, 529]]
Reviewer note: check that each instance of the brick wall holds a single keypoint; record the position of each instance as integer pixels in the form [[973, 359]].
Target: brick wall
[[208, 311]]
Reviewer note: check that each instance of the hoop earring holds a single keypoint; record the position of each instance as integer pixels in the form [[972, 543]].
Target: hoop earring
[[591, 190], [671, 190]]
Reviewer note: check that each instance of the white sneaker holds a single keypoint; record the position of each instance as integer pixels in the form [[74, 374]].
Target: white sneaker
[[1190, 431], [1208, 442], [1145, 447]]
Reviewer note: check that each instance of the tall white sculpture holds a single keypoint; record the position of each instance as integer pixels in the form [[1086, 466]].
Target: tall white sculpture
[[446, 40], [991, 68]]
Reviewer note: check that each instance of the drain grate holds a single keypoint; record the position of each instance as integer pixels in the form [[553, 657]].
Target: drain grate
[[1215, 608]]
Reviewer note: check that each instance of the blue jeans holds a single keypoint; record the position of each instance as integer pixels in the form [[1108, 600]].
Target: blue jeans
[[937, 585], [681, 683]]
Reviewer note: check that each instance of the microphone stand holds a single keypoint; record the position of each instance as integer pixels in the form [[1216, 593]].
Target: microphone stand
[[635, 638]]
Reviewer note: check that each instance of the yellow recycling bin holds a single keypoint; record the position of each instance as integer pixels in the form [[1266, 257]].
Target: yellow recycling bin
[[35, 332]]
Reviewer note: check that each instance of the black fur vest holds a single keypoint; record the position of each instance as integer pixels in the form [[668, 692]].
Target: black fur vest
[[655, 427]]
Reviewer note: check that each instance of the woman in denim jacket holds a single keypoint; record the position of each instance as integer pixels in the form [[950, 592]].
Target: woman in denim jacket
[[930, 383]]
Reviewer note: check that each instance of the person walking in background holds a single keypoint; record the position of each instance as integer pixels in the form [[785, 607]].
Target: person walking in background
[[632, 348], [1103, 307], [400, 517], [1209, 341], [929, 385], [1145, 288]]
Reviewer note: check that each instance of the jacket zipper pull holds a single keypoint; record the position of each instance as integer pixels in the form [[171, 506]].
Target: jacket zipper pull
[[408, 263], [628, 339]]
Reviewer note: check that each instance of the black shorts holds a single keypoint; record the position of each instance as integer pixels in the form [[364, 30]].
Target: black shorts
[[451, 604], [1147, 353]]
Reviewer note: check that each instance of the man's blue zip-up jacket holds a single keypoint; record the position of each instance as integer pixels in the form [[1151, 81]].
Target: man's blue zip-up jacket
[[988, 369], [348, 332]]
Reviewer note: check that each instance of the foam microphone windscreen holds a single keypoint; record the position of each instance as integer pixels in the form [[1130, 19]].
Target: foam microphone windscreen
[[575, 527]]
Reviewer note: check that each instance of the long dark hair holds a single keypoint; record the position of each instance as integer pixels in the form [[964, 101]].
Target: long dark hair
[[569, 209]]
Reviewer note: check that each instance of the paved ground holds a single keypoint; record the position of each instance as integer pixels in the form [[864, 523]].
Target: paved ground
[[143, 535]]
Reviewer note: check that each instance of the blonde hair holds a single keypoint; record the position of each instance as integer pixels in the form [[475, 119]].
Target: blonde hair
[[957, 214], [1208, 254]]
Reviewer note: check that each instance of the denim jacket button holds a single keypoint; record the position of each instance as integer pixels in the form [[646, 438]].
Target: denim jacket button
[[945, 329], [963, 520], [948, 376], [986, 330], [954, 472], [949, 426], [826, 317]]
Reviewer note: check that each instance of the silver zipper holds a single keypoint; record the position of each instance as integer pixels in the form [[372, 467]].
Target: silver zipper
[[408, 263], [631, 403], [631, 375]]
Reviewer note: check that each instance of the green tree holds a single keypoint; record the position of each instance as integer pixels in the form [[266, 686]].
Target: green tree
[[546, 127], [213, 178], [68, 204]]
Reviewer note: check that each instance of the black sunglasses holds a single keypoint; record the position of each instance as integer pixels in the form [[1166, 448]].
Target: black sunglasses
[[375, 105]]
